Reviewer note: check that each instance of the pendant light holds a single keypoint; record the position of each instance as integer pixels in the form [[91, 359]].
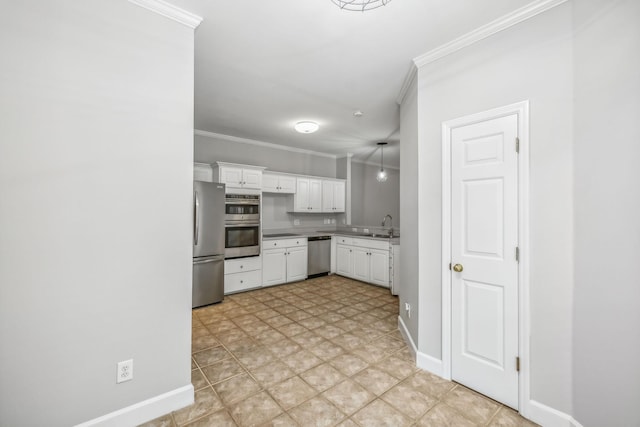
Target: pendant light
[[360, 5], [382, 174]]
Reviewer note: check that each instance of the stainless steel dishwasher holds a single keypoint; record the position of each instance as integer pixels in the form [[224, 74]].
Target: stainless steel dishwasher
[[319, 256]]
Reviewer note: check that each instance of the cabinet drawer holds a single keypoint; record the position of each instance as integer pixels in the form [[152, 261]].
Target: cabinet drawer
[[284, 243], [342, 240], [371, 243], [241, 281], [242, 264]]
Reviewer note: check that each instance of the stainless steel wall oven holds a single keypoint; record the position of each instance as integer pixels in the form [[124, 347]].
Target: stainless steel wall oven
[[242, 225]]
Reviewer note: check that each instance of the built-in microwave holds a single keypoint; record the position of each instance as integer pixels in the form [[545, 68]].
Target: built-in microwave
[[242, 207]]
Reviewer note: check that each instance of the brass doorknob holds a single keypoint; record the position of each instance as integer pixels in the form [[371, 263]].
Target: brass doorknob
[[458, 268]]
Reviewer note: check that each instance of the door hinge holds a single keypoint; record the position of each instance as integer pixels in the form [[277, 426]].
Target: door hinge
[[449, 266], [517, 145], [518, 364], [517, 254]]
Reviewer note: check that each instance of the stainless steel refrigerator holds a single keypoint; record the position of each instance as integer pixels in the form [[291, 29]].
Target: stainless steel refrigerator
[[208, 243]]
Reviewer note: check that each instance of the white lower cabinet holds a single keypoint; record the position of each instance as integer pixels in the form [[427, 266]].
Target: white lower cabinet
[[241, 274], [344, 260], [283, 261], [363, 259]]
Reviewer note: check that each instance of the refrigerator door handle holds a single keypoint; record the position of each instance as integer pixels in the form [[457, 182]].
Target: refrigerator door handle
[[196, 226], [216, 258]]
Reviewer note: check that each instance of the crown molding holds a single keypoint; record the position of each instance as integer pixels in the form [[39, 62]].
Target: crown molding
[[408, 80], [261, 143], [504, 22], [170, 11], [500, 24], [377, 165]]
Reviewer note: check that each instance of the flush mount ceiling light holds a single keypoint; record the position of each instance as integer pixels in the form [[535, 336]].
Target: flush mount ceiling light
[[306, 127], [382, 174], [360, 5]]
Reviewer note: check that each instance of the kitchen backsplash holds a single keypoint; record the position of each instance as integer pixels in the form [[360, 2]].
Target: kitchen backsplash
[[275, 215]]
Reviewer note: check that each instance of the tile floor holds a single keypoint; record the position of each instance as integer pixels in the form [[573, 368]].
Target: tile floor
[[321, 352]]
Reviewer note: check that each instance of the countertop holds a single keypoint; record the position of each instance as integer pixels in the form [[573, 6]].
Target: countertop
[[311, 233]]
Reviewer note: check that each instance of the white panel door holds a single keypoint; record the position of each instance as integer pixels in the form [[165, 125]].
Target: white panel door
[[484, 237], [274, 267], [296, 263]]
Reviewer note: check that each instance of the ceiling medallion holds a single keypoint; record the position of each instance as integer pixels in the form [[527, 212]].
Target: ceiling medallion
[[360, 5]]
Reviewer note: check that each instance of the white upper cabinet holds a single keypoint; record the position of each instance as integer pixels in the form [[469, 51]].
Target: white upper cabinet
[[333, 196], [308, 196], [202, 172], [239, 176], [278, 183]]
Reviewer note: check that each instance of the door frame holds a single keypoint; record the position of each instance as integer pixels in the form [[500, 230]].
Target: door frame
[[522, 111]]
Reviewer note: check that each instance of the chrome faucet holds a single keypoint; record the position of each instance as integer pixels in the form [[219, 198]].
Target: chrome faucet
[[384, 221]]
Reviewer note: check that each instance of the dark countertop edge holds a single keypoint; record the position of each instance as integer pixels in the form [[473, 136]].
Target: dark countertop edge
[[306, 234]]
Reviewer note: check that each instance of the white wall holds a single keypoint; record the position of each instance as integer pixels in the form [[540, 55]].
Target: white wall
[[96, 152], [531, 61], [607, 212], [409, 172], [213, 149]]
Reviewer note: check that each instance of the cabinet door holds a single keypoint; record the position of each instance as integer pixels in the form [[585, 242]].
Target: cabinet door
[[339, 193], [379, 267], [344, 260], [327, 196], [296, 263], [302, 195], [315, 195], [287, 184], [270, 183], [274, 267], [252, 178], [231, 176], [361, 264]]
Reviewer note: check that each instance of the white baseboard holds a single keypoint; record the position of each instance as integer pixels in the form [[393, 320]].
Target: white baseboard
[[423, 361], [407, 336], [548, 417], [430, 363], [535, 411], [146, 410]]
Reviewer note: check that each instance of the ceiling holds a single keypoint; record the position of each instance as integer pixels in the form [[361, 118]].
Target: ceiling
[[261, 66]]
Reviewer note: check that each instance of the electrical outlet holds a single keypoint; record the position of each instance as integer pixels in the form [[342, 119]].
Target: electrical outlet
[[125, 371], [296, 222], [354, 229], [407, 308], [366, 230], [333, 221]]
